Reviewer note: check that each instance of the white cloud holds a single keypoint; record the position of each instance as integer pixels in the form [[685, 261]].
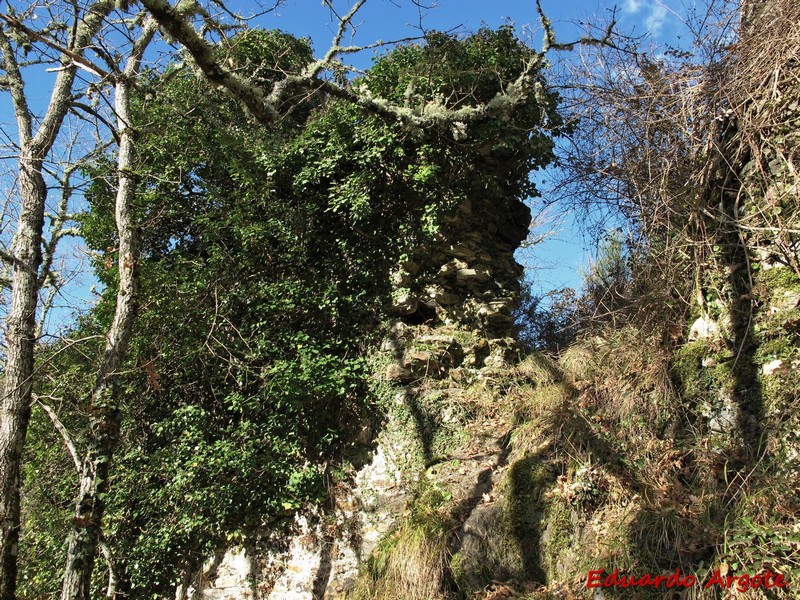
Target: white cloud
[[654, 13], [632, 6], [655, 20]]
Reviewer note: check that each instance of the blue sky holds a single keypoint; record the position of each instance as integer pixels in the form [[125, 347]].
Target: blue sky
[[387, 19]]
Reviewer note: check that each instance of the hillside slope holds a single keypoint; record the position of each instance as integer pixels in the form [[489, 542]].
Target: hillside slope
[[661, 445]]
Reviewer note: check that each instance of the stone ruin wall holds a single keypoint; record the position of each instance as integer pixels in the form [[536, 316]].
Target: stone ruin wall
[[469, 277]]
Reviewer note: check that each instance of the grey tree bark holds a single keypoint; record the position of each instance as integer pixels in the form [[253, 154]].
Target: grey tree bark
[[26, 258], [104, 411]]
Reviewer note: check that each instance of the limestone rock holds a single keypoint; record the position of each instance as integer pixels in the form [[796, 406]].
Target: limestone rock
[[460, 375], [420, 356], [423, 363], [399, 330], [391, 344], [477, 353], [479, 275], [787, 301], [442, 297], [469, 264], [323, 556], [704, 328], [405, 304], [452, 267], [396, 372], [462, 252], [723, 416], [410, 267], [502, 352], [400, 278], [232, 574], [443, 340], [776, 366]]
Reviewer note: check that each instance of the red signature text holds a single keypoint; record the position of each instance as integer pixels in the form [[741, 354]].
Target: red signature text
[[742, 583], [614, 579]]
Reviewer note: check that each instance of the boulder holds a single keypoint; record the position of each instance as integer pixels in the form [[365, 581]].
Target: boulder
[[399, 373]]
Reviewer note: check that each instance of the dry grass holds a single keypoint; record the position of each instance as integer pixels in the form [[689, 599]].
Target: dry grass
[[704, 165], [624, 372], [411, 564], [539, 368]]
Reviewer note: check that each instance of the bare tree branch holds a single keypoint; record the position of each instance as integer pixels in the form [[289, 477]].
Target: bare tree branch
[[76, 58], [58, 107], [174, 22], [59, 426], [16, 86], [550, 43], [266, 108], [314, 69]]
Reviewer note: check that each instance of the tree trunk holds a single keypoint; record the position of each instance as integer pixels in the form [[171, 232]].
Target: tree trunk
[[104, 411], [26, 259], [20, 338]]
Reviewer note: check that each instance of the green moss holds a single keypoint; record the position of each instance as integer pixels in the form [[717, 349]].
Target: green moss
[[400, 293], [560, 531], [422, 427], [687, 360], [525, 510], [779, 279], [777, 347], [721, 375], [697, 381]]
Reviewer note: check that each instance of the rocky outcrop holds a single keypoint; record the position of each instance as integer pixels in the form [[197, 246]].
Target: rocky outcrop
[[469, 275], [321, 555], [427, 379]]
